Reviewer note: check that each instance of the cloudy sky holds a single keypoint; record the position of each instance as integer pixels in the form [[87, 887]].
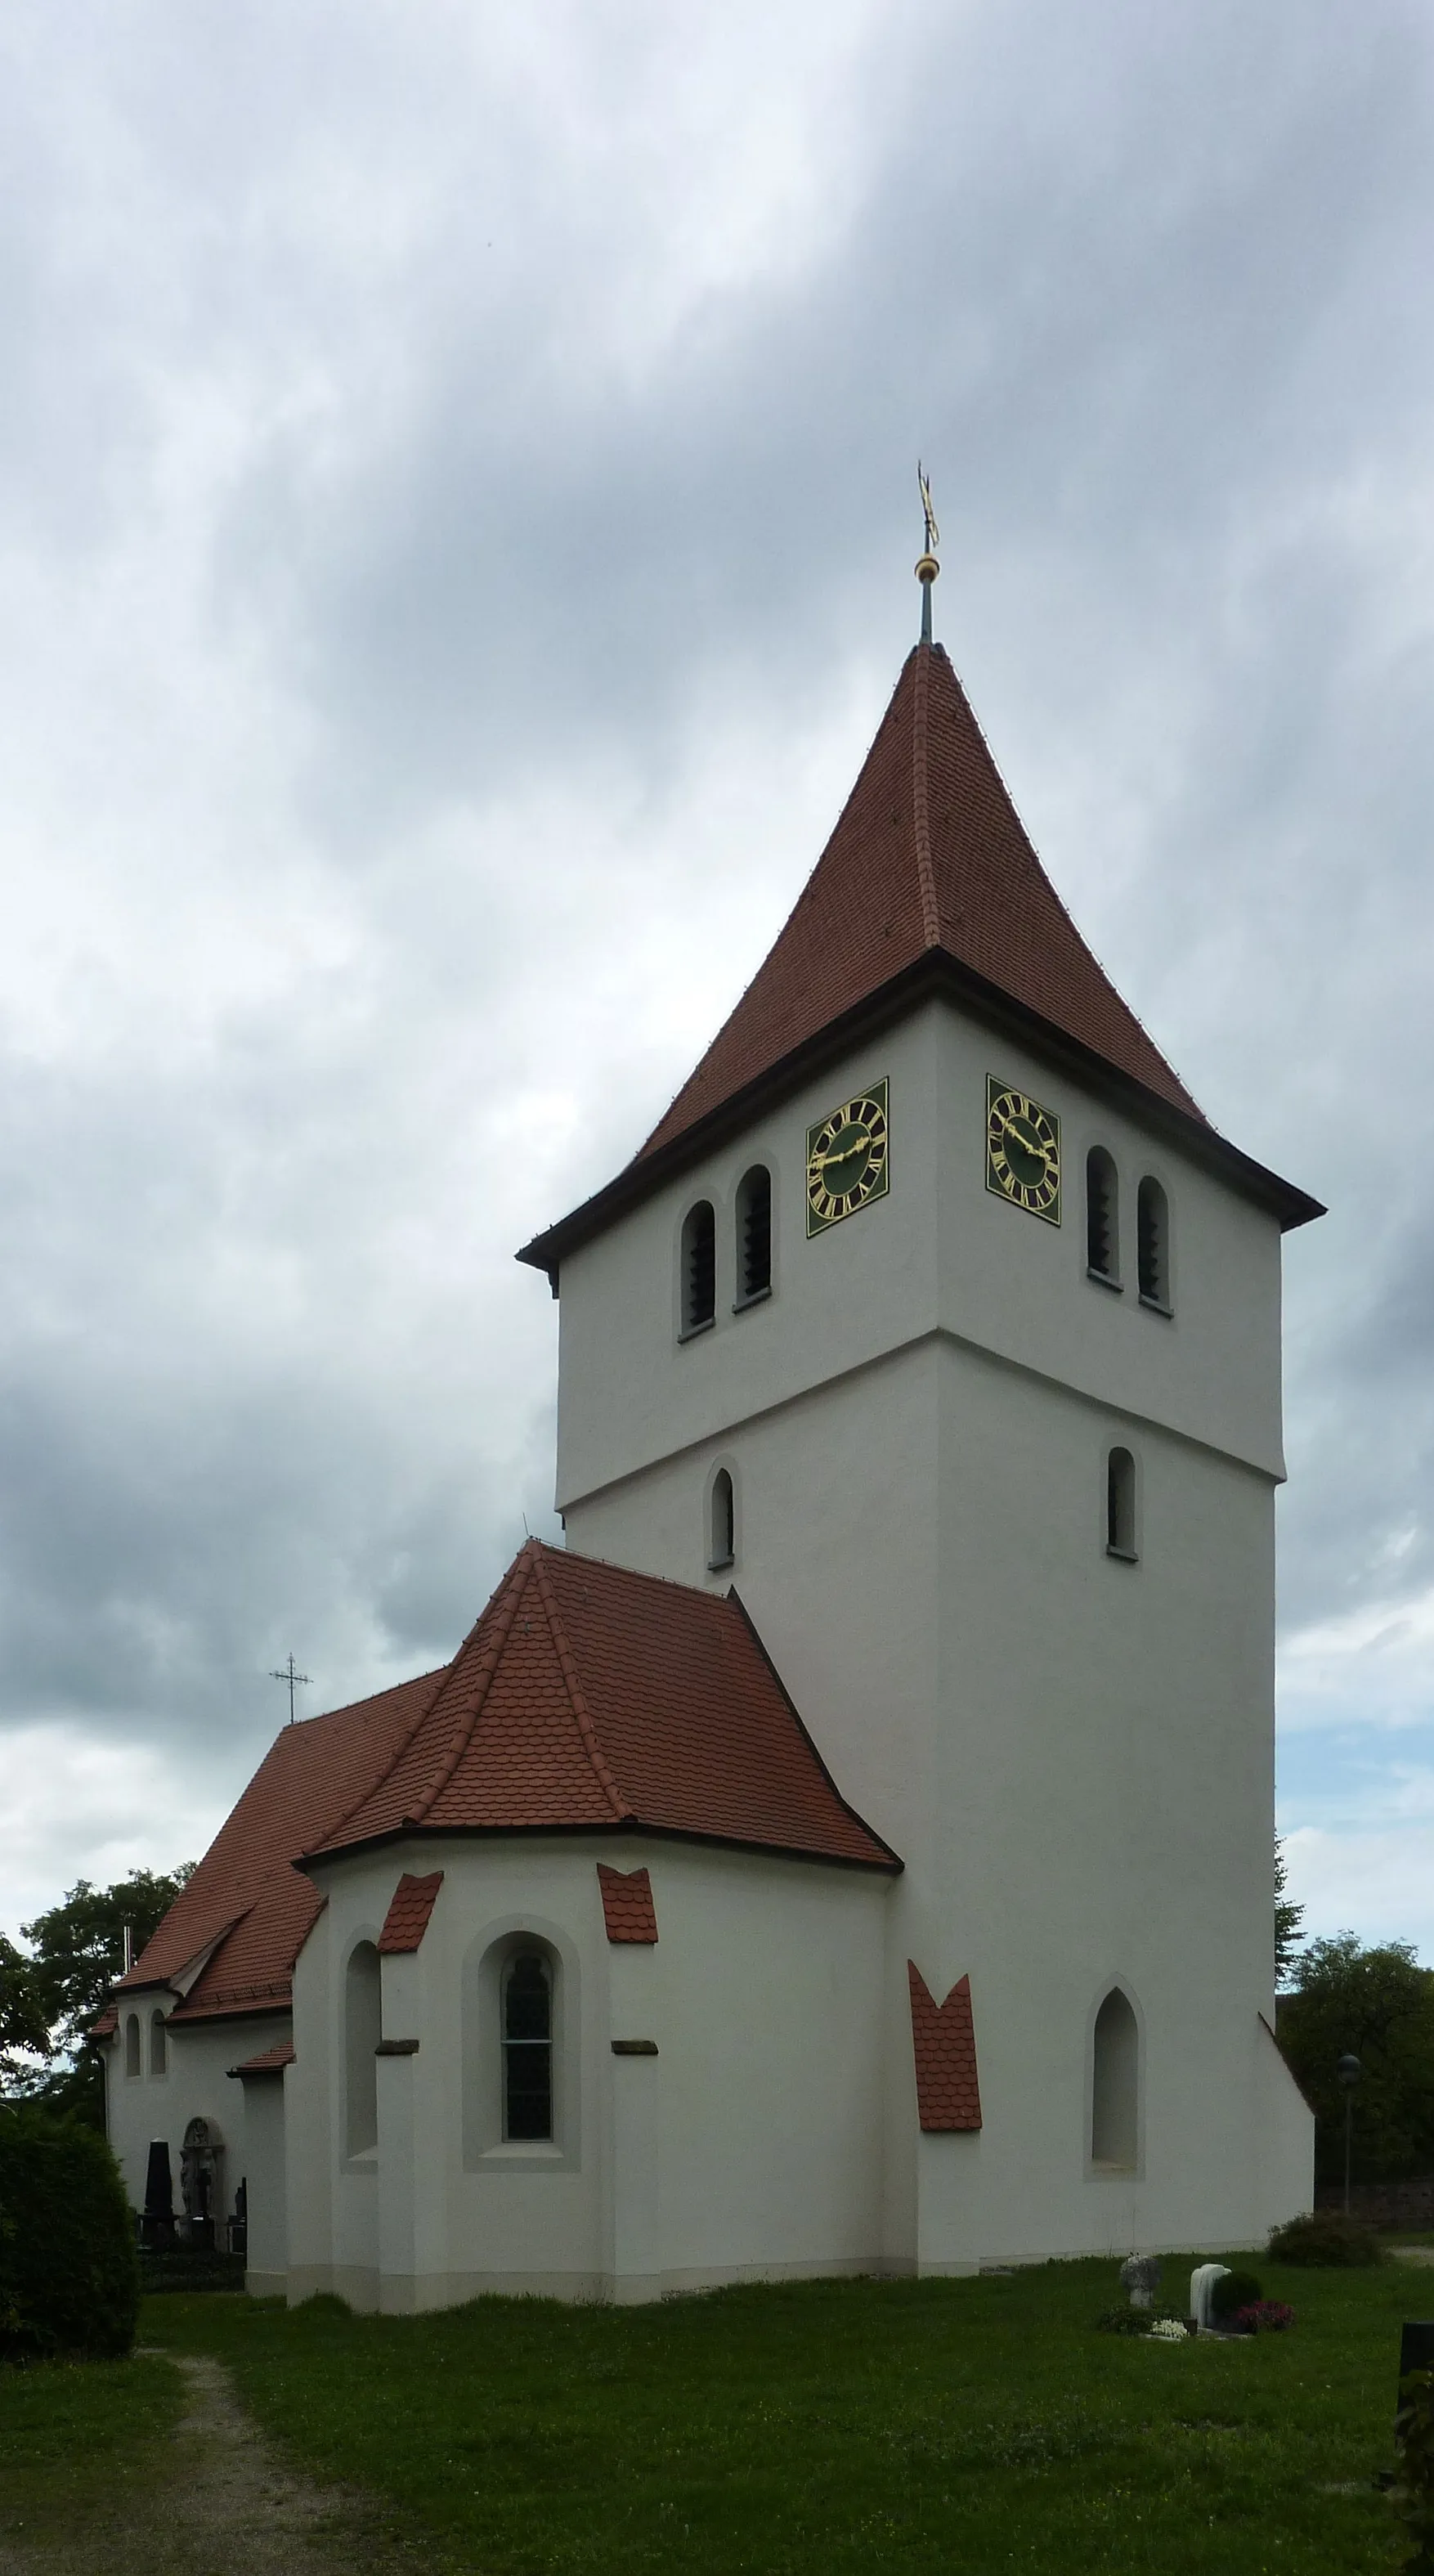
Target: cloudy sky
[[456, 501]]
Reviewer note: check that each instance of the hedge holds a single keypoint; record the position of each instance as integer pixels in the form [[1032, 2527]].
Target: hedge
[[69, 2276]]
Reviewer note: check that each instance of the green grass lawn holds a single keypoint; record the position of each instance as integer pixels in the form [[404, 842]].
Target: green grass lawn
[[78, 2438], [963, 2425]]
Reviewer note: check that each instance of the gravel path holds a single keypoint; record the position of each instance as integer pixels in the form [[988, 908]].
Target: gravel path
[[226, 2506]]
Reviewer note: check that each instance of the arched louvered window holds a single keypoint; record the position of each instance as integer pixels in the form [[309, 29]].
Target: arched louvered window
[[1115, 2085], [1102, 1218], [363, 2027], [699, 1267], [722, 1530], [754, 1236], [158, 2045], [132, 2064], [1120, 1505], [528, 2046], [1152, 1230]]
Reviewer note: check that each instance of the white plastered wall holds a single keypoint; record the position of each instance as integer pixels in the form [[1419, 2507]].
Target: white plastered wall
[[749, 2145], [1073, 1756], [196, 2084]]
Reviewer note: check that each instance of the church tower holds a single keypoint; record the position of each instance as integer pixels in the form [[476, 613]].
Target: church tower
[[935, 1319]]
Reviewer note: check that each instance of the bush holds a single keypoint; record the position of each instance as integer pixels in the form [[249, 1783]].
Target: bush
[[69, 2277], [1265, 2316], [1235, 2290], [1135, 2321], [1325, 2237]]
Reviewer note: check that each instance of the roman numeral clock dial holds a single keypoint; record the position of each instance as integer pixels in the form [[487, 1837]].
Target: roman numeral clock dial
[[846, 1159], [1023, 1151]]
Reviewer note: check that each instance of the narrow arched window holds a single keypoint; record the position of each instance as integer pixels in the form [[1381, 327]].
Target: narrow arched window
[[1115, 2085], [131, 2045], [1102, 1217], [1120, 1505], [1152, 1232], [527, 2046], [158, 2045], [754, 1235], [699, 1267], [722, 1528], [363, 2024]]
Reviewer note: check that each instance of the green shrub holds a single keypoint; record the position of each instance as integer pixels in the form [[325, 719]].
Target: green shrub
[[1234, 2290], [69, 2277], [1325, 2237]]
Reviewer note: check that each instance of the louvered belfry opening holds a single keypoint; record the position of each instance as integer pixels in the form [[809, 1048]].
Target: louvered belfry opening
[[699, 1267], [1153, 1245], [754, 1235], [1102, 1227]]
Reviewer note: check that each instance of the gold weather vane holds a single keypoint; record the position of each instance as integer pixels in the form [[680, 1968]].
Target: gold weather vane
[[928, 567]]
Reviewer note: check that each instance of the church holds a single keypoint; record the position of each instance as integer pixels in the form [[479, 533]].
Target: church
[[852, 1850]]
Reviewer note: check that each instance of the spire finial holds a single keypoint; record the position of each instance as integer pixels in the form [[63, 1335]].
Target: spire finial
[[927, 568]]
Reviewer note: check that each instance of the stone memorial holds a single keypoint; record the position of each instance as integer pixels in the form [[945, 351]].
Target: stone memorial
[[156, 2226], [1202, 2282], [199, 2165], [1140, 2275]]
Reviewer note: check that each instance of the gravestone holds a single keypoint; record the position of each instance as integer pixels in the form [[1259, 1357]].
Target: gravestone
[[156, 2227], [199, 2162], [1202, 2282], [1140, 2275]]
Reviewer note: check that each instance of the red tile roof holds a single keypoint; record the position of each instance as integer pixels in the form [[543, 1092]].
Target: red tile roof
[[410, 1906], [588, 1696], [627, 1906], [943, 2039], [929, 854], [270, 2061], [246, 1897]]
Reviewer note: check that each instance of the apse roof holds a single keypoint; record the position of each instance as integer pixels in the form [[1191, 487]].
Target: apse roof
[[587, 1698], [592, 1698], [929, 882]]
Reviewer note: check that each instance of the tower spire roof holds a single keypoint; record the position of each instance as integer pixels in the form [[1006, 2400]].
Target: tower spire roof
[[928, 885], [929, 857]]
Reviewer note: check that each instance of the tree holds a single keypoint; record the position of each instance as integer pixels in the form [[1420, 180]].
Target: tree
[[1376, 2005], [1289, 1938], [24, 2031], [79, 1946], [49, 2000]]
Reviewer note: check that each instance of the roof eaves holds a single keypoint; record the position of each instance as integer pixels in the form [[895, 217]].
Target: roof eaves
[[935, 972], [411, 1831]]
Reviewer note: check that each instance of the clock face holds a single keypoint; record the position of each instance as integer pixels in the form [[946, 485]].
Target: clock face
[[846, 1159], [1023, 1151]]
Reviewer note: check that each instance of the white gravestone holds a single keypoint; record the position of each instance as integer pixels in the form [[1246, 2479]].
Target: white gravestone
[[1202, 2282], [1141, 2277]]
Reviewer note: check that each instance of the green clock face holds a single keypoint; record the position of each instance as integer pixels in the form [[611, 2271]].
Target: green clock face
[[847, 1159], [1023, 1151]]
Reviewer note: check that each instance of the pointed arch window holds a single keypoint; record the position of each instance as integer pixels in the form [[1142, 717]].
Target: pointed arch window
[[158, 2045], [754, 1236], [527, 2046], [722, 1522], [699, 1268], [363, 2026], [1152, 1234], [1102, 1218], [1120, 1506], [1115, 2086]]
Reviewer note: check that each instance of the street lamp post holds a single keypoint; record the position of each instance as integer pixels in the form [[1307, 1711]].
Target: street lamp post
[[1349, 2072]]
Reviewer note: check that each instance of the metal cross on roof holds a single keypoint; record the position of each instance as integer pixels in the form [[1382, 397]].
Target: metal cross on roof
[[928, 567], [287, 1673]]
